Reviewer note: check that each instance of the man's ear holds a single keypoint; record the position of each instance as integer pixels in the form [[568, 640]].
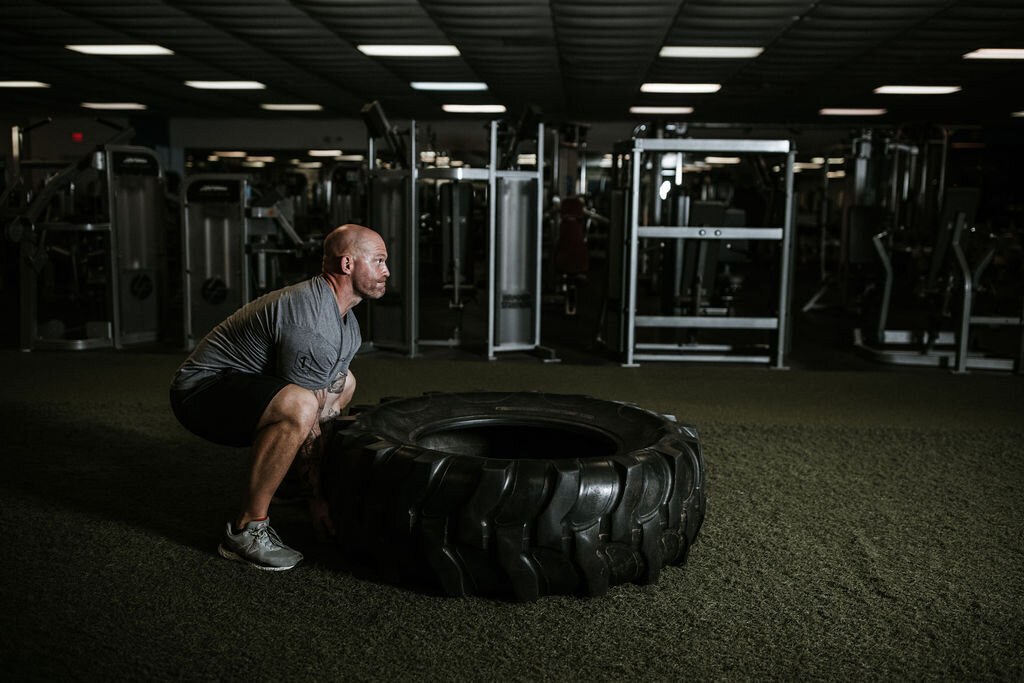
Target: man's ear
[[347, 263]]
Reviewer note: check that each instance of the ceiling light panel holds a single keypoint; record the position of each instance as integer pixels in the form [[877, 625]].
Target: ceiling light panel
[[703, 52], [409, 50], [292, 107], [448, 85], [996, 53], [128, 50], [473, 108], [688, 88], [660, 110], [23, 84], [917, 89], [851, 111], [226, 85], [114, 106]]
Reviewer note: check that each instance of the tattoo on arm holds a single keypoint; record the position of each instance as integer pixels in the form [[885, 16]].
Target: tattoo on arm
[[338, 385]]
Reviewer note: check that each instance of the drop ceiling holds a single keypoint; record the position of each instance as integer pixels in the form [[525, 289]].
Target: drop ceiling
[[577, 60]]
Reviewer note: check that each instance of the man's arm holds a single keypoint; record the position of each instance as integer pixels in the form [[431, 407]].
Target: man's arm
[[333, 401]]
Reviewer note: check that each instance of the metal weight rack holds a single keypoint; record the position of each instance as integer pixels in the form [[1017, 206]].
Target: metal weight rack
[[636, 149]]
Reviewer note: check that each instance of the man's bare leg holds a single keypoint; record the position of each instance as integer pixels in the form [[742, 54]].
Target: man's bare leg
[[281, 431]]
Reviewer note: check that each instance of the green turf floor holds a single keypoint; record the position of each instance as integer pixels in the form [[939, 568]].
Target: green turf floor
[[860, 526]]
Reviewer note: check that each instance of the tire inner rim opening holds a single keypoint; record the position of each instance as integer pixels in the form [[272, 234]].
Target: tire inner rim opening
[[521, 439]]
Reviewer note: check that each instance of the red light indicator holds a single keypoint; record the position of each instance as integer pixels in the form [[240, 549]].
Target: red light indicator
[[77, 137]]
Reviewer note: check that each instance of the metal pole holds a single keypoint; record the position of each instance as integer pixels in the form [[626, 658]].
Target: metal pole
[[413, 300], [371, 167], [964, 330], [115, 257], [540, 235], [632, 272], [186, 265], [492, 186], [883, 314], [785, 276]]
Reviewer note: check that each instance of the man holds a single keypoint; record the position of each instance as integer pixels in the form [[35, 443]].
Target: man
[[273, 375]]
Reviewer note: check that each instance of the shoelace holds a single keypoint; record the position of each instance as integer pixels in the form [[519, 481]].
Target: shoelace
[[260, 536]]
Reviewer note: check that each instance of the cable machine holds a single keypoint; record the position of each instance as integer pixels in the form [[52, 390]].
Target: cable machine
[[89, 241], [513, 212], [232, 244]]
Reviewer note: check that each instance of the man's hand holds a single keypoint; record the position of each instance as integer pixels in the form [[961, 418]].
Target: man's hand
[[320, 515]]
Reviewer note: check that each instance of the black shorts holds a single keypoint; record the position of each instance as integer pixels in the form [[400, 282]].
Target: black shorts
[[226, 407]]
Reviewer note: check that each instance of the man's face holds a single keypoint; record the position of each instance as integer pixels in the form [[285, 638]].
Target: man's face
[[370, 271]]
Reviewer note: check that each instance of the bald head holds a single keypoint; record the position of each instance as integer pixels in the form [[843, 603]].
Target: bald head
[[347, 240]]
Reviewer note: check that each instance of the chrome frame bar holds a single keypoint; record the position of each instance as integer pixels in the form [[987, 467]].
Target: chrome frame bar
[[634, 232]]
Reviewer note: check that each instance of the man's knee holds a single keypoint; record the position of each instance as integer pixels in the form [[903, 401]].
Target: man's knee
[[293, 405]]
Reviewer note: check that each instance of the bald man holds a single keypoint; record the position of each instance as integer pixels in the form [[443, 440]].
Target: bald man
[[273, 375]]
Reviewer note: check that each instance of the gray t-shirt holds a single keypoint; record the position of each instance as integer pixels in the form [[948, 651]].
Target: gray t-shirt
[[296, 333]]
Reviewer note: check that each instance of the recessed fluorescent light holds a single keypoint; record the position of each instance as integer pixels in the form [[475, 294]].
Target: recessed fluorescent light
[[696, 52], [231, 155], [836, 174], [349, 157], [473, 108], [134, 50], [292, 107], [23, 84], [661, 110], [840, 111], [996, 53], [721, 160], [226, 85], [1018, 114], [113, 105], [917, 89], [310, 164], [810, 165], [265, 159], [253, 164], [409, 50], [324, 152], [448, 85], [681, 87]]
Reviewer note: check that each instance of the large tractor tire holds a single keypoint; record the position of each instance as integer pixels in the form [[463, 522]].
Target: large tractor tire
[[525, 493]]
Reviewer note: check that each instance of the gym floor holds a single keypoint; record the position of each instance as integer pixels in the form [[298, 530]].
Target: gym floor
[[863, 523]]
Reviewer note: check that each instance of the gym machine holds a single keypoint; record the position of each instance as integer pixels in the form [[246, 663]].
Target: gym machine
[[232, 245], [513, 214], [343, 193], [682, 238], [90, 237], [932, 257]]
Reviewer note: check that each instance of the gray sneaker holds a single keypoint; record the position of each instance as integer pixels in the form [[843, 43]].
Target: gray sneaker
[[259, 545]]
